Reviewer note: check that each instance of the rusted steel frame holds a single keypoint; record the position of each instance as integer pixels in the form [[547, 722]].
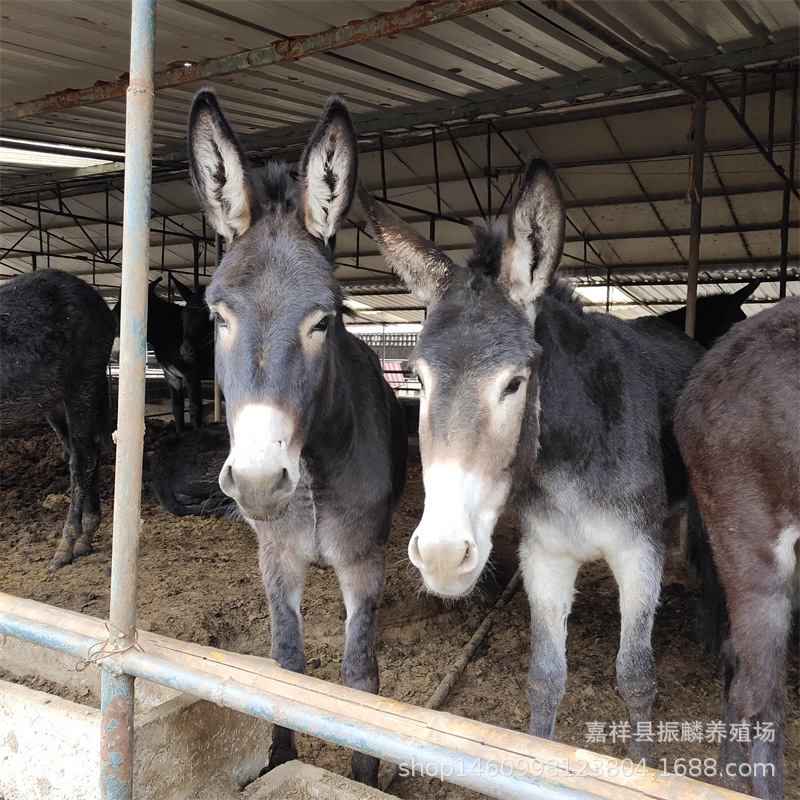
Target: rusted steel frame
[[466, 172], [583, 21], [696, 193], [643, 190], [116, 762], [489, 169], [66, 212], [406, 207], [13, 247], [436, 173], [404, 19], [106, 221], [773, 80], [469, 111], [787, 179], [786, 198], [24, 221]]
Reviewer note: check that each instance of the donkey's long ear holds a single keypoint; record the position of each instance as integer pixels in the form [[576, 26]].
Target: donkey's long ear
[[185, 292], [535, 235], [742, 294], [328, 171], [425, 269], [218, 167]]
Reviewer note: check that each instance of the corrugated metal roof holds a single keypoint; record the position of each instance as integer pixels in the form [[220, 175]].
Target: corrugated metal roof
[[580, 83]]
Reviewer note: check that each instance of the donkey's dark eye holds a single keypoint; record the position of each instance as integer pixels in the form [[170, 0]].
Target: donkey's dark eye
[[512, 387], [219, 320], [322, 325]]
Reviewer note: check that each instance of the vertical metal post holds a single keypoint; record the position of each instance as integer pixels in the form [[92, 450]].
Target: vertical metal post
[[383, 169], [217, 392], [489, 169], [436, 175], [773, 80], [787, 194], [696, 193], [116, 775]]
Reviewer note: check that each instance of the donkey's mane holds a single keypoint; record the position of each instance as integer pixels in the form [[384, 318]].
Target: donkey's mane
[[278, 189], [487, 255], [486, 260]]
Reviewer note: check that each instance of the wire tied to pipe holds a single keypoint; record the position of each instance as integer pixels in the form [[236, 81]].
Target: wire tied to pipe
[[105, 649]]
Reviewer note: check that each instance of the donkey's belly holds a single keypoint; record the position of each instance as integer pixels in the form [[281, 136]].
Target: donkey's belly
[[565, 521]]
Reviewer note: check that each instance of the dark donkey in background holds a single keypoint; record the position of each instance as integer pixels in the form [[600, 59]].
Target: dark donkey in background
[[56, 333], [714, 315], [570, 413], [738, 424], [318, 445], [183, 347]]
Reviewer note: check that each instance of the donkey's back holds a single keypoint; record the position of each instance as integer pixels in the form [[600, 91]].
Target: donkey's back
[[56, 333], [608, 395]]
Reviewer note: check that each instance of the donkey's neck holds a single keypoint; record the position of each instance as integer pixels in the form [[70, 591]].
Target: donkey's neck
[[330, 437]]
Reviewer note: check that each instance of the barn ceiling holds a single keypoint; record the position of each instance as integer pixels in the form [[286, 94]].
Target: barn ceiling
[[449, 99]]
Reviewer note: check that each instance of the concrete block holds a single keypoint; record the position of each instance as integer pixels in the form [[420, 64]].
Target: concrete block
[[50, 747], [305, 782]]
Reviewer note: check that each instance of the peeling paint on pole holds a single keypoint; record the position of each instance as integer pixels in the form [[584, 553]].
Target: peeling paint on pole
[[117, 687]]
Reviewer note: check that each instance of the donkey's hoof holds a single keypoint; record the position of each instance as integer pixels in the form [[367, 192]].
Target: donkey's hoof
[[81, 549], [646, 752], [61, 559]]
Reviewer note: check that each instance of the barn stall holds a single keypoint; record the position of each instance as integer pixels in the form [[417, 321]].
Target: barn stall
[[448, 99]]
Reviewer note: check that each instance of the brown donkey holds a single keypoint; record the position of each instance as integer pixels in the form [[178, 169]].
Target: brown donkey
[[738, 425]]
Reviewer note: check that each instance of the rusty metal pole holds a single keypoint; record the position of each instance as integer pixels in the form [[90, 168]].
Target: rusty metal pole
[[696, 193], [116, 772]]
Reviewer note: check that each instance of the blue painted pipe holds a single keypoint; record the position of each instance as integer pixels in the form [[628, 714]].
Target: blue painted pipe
[[500, 780], [116, 688]]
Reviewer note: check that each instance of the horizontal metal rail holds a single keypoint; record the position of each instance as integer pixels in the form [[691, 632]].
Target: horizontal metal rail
[[498, 762]]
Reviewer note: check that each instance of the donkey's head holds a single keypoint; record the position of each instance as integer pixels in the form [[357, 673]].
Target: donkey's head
[[477, 363], [277, 306], [198, 329]]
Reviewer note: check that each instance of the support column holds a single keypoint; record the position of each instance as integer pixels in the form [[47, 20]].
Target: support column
[[696, 193], [116, 775], [787, 192]]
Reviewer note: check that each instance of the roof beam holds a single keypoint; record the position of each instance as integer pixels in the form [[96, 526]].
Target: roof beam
[[494, 106], [393, 22], [586, 23]]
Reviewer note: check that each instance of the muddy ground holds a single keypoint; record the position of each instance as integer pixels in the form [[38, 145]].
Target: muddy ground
[[199, 581]]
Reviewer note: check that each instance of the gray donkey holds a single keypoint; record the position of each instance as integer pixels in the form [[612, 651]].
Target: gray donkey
[[570, 413], [318, 445]]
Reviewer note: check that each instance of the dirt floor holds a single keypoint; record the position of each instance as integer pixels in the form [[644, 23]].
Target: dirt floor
[[199, 581]]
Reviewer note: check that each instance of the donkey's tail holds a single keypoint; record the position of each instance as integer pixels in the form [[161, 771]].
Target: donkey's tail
[[711, 621]]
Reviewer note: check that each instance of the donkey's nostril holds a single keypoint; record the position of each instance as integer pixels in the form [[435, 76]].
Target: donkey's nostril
[[226, 481], [413, 551], [470, 560], [284, 483]]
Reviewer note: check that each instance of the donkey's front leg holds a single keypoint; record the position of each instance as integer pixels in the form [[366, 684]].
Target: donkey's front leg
[[284, 577], [549, 581], [637, 570], [362, 581]]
